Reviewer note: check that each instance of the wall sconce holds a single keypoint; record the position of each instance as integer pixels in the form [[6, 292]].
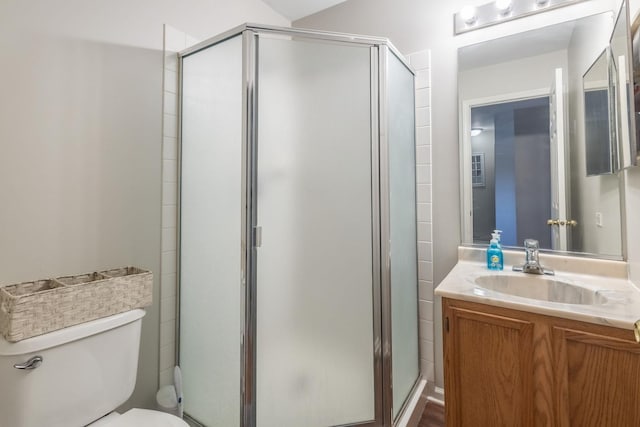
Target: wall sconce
[[473, 18]]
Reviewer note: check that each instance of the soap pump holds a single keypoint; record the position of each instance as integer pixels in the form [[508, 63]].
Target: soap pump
[[498, 234], [495, 259]]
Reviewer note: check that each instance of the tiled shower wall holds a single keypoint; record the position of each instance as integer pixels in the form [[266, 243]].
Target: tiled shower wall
[[174, 41], [420, 61]]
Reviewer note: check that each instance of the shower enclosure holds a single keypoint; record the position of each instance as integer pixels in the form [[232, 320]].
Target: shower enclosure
[[298, 265]]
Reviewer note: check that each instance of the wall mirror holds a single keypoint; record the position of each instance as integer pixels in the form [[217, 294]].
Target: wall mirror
[[620, 43], [600, 122], [523, 145]]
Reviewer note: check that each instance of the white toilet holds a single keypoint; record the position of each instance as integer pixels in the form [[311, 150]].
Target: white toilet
[[76, 377]]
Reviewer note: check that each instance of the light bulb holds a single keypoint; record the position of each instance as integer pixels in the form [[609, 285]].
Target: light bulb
[[468, 15], [503, 6], [476, 131]]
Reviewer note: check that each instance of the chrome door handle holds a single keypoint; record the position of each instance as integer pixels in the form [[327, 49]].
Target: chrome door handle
[[30, 364]]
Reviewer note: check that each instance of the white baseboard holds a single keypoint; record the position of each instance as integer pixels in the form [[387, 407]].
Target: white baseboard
[[436, 396]]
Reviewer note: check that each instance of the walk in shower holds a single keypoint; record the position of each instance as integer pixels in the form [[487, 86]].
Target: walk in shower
[[298, 265]]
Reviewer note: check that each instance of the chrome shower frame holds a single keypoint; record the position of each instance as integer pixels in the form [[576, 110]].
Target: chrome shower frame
[[380, 50]]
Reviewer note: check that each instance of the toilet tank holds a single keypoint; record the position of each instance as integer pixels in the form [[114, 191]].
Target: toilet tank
[[87, 371]]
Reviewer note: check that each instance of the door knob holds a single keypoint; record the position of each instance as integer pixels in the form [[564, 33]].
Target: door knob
[[569, 222]]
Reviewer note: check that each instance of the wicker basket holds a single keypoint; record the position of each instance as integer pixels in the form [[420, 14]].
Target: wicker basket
[[34, 308]]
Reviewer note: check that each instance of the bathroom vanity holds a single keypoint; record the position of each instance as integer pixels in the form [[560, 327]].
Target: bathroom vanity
[[534, 350], [526, 350]]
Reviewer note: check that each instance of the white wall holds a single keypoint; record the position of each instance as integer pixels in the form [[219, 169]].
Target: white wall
[[80, 128], [414, 25], [517, 76]]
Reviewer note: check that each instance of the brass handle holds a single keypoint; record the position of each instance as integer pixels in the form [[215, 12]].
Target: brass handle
[[562, 222], [636, 330]]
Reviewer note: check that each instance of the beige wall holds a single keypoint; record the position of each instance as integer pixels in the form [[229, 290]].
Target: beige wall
[[81, 134]]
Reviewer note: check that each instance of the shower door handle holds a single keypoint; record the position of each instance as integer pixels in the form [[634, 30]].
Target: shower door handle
[[257, 236]]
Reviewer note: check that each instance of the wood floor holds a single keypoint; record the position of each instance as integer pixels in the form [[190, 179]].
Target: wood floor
[[433, 416]]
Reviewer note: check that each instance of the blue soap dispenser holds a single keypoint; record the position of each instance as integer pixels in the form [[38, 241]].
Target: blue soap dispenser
[[495, 259]]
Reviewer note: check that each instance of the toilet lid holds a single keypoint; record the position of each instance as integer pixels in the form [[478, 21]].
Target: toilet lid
[[146, 418]]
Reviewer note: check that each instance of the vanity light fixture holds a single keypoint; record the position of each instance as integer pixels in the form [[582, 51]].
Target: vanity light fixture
[[468, 15], [476, 131], [504, 7], [473, 18]]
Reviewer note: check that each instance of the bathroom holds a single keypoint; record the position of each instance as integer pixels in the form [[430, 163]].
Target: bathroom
[[89, 169]]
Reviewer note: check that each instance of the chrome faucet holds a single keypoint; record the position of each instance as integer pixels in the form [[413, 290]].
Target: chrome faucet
[[531, 261]]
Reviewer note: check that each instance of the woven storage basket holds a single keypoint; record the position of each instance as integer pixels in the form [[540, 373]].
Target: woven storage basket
[[35, 308]]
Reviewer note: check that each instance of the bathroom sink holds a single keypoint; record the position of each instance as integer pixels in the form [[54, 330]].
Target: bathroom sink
[[539, 288]]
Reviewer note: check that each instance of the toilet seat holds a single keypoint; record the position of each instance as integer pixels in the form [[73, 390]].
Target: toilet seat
[[140, 418]]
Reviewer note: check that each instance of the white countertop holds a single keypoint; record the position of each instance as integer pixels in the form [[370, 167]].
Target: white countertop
[[621, 310]]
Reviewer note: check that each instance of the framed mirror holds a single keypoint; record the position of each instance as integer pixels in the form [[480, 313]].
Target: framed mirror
[[523, 144], [600, 122]]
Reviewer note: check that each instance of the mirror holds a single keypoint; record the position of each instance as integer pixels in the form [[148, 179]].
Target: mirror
[[523, 144], [620, 43], [598, 85]]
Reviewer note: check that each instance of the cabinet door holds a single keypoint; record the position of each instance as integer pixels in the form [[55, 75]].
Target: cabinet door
[[488, 369], [598, 379]]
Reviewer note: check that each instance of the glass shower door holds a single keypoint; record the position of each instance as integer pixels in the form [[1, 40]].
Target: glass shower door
[[315, 264], [211, 233], [402, 212]]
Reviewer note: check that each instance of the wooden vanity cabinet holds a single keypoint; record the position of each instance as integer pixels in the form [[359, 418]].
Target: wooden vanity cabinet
[[598, 376], [512, 368]]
